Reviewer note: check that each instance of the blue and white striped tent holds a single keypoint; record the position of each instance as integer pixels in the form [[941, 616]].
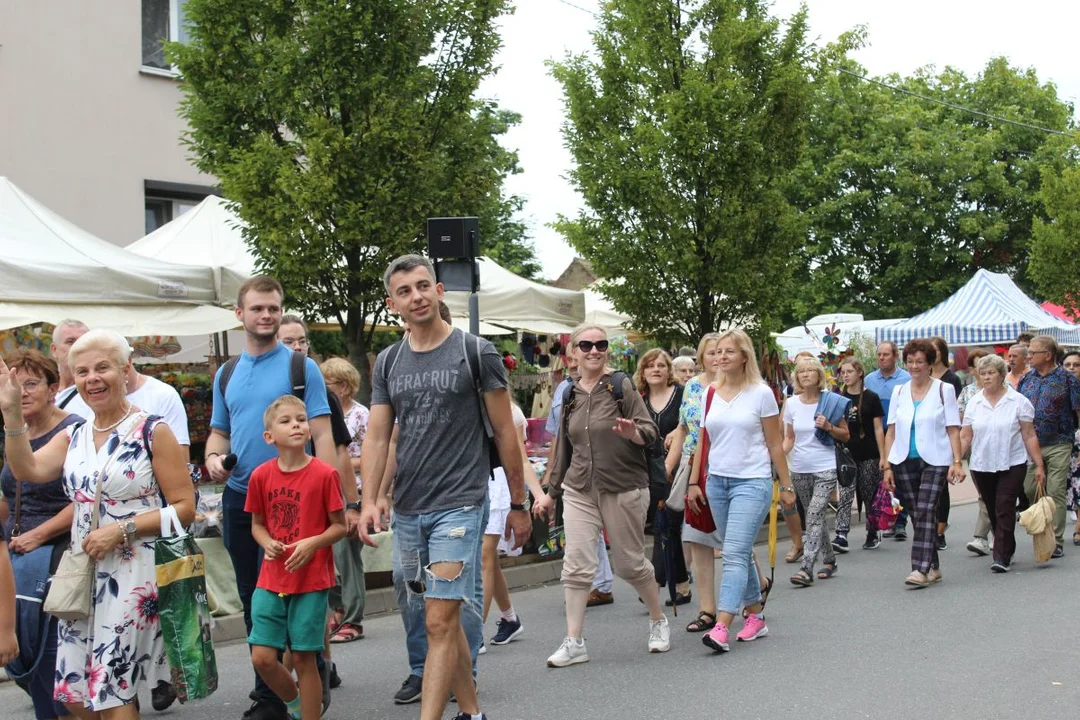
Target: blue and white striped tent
[[989, 309]]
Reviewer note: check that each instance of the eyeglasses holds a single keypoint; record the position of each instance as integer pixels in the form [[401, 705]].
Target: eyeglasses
[[32, 385], [295, 342], [588, 345]]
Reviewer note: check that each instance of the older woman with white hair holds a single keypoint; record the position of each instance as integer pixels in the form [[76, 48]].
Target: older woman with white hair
[[814, 421], [998, 427], [119, 467], [600, 470]]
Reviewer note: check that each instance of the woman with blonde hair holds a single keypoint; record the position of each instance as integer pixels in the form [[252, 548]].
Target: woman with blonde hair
[[348, 597], [743, 437], [681, 453], [655, 380], [133, 463], [600, 469], [814, 421]]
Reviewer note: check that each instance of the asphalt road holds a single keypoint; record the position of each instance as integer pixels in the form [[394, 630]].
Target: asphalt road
[[861, 645]]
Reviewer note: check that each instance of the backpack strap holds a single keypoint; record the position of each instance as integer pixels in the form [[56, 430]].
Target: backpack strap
[[71, 396], [223, 377], [474, 372], [392, 354], [298, 374]]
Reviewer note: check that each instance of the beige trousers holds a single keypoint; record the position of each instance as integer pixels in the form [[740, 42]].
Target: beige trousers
[[623, 515]]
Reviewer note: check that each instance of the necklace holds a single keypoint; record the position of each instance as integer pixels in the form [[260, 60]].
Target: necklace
[[130, 407]]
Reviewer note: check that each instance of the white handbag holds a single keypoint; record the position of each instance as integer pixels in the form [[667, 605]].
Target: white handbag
[[677, 497]]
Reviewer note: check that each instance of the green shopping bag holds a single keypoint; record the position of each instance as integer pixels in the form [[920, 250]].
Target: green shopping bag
[[184, 610]]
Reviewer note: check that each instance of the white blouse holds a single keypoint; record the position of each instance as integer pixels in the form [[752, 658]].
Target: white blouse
[[937, 411], [996, 442]]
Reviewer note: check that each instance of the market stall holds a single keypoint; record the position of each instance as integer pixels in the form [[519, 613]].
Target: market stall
[[988, 309]]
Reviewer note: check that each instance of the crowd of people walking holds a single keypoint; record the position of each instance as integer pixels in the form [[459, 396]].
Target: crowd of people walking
[[97, 454]]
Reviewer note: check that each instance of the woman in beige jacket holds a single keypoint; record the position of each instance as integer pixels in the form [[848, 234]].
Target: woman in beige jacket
[[601, 472]]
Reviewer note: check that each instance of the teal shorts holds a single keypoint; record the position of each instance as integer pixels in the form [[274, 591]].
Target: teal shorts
[[295, 622]]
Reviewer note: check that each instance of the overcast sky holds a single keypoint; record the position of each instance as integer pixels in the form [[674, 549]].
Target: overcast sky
[[903, 36]]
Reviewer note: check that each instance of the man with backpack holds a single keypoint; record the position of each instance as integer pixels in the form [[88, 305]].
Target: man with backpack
[[448, 392], [243, 389]]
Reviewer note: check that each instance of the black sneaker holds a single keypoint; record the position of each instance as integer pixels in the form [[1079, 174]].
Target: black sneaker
[[999, 567], [162, 696], [266, 710], [335, 679], [507, 631], [1059, 552], [872, 542], [410, 690], [840, 543], [942, 543], [891, 532], [467, 716], [900, 535]]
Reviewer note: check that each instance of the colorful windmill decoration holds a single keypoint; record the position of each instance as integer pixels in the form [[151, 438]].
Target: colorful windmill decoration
[[831, 352]]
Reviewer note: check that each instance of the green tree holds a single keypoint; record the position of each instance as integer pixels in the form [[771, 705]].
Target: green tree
[[1055, 246], [907, 197], [684, 124], [337, 128]]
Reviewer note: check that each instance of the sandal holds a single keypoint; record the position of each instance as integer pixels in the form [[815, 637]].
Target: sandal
[[347, 632], [705, 621], [802, 579], [1076, 538], [794, 554], [826, 572]]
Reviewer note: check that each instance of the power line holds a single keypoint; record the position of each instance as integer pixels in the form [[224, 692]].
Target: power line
[[954, 106], [578, 7]]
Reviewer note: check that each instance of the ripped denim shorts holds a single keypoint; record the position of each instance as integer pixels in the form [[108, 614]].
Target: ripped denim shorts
[[448, 536]]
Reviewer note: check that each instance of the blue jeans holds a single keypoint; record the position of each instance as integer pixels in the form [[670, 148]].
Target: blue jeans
[[414, 549], [739, 507]]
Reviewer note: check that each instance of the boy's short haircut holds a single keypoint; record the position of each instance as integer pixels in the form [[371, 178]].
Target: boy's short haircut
[[272, 411]]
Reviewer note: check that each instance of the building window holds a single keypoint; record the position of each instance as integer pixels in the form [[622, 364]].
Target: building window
[[161, 210], [162, 21]]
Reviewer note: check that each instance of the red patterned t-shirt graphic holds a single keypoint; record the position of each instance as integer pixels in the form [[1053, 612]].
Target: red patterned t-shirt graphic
[[294, 506]]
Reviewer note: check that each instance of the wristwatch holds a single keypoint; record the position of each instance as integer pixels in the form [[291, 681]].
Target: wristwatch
[[517, 506], [130, 529], [352, 506]]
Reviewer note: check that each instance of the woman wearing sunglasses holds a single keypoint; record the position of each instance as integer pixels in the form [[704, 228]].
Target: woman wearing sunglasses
[[601, 471]]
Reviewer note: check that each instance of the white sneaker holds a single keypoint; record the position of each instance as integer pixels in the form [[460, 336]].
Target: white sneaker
[[659, 635], [571, 652], [979, 546], [483, 648]]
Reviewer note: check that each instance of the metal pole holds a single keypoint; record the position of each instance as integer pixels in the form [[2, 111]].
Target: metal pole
[[474, 313]]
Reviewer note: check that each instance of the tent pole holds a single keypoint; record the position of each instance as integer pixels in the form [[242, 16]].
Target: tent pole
[[474, 313]]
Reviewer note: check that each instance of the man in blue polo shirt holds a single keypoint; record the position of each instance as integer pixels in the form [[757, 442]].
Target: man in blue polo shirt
[[261, 375], [882, 381]]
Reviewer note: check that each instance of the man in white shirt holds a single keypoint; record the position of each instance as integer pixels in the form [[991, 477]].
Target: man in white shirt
[[150, 395], [64, 336]]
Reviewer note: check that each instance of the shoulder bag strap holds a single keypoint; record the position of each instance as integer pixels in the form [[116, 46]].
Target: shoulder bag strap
[[15, 529]]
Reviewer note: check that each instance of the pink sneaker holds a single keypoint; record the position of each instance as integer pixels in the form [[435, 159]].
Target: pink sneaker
[[717, 638], [753, 628]]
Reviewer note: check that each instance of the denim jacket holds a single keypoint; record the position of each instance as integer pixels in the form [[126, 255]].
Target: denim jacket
[[834, 407]]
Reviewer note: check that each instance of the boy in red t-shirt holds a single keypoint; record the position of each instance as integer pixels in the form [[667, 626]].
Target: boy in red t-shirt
[[297, 514]]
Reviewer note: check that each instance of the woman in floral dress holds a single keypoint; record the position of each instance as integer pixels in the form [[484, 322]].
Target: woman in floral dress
[[102, 661]]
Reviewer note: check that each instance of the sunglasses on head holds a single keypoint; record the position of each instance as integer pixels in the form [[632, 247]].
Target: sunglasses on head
[[588, 345]]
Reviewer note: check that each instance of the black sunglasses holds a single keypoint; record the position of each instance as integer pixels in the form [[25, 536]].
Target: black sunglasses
[[588, 345]]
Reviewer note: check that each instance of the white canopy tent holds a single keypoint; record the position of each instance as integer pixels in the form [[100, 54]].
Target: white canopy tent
[[810, 335], [51, 269], [211, 232], [514, 302], [600, 311]]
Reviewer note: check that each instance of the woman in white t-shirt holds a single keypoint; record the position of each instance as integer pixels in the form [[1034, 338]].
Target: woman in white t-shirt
[[509, 626], [998, 426], [743, 436], [809, 440]]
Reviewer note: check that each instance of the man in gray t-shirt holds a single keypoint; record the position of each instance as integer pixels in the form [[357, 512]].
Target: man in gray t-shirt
[[440, 486], [442, 458]]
